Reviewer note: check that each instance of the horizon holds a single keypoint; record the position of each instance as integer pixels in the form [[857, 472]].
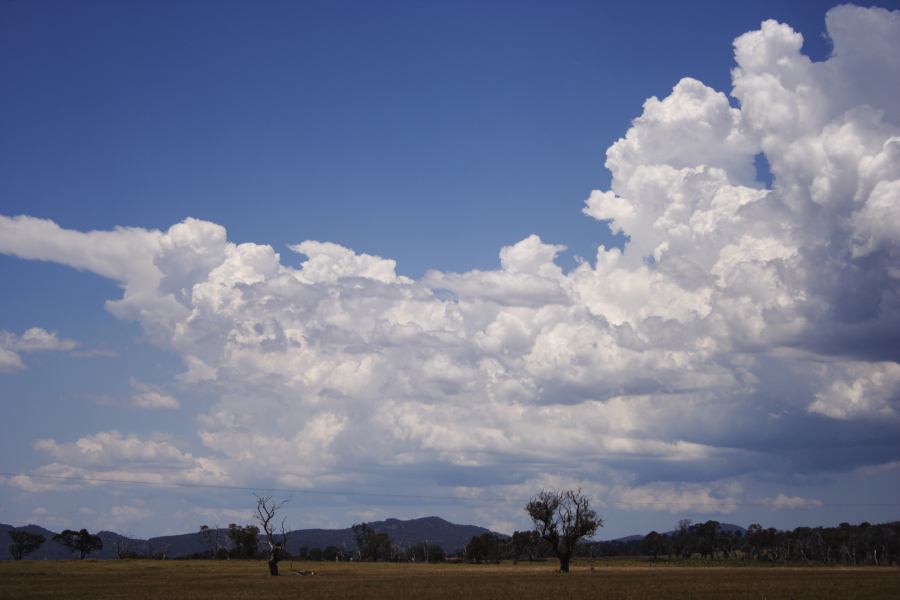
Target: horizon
[[430, 259], [288, 531]]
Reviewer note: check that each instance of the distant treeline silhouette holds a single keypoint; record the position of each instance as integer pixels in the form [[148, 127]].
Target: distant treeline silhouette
[[862, 544], [846, 544]]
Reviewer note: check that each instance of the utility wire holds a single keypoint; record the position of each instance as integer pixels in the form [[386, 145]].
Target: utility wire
[[494, 499], [186, 484]]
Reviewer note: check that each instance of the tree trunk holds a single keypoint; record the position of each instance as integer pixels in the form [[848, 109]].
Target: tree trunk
[[564, 563], [273, 567]]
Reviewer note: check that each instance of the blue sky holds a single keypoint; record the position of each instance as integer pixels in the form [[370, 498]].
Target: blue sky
[[427, 132], [433, 134]]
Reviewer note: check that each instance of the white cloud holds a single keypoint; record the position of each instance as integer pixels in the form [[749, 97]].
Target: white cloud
[[110, 456], [151, 397], [328, 263], [47, 478], [125, 515], [10, 361], [860, 390], [677, 499], [106, 448], [220, 516], [782, 502], [35, 339], [665, 361]]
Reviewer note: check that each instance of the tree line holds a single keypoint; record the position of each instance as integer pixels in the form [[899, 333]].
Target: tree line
[[563, 523], [846, 544]]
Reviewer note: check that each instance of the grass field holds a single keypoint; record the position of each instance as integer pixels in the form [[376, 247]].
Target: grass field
[[138, 579]]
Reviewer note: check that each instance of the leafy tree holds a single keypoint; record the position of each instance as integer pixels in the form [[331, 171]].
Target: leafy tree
[[563, 517], [244, 540], [683, 541], [425, 552], [483, 548], [211, 538], [707, 535], [371, 544], [362, 532], [24, 543], [528, 544], [654, 544], [79, 541]]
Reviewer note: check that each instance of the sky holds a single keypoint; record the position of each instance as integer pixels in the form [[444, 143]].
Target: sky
[[419, 258]]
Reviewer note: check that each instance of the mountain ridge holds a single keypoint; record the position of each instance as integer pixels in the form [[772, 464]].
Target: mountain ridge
[[403, 533]]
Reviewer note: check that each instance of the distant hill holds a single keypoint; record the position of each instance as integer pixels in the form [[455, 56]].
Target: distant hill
[[724, 527], [434, 530], [404, 534], [628, 538]]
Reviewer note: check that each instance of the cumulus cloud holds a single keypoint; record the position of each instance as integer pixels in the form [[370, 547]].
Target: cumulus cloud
[[151, 397], [35, 339], [678, 499], [105, 448], [219, 516], [860, 390], [10, 361], [740, 326], [128, 514], [782, 502], [112, 456]]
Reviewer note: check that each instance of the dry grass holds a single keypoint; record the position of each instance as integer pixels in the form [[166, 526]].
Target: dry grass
[[138, 579]]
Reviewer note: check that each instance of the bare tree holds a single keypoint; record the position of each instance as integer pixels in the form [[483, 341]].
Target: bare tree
[[266, 507], [123, 546], [562, 517]]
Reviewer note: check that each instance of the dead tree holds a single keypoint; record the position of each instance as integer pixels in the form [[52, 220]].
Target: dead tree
[[123, 547], [266, 507]]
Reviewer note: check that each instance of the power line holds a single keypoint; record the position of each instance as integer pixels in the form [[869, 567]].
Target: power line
[[615, 504], [187, 484]]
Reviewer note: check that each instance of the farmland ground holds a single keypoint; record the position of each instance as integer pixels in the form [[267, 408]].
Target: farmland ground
[[138, 579]]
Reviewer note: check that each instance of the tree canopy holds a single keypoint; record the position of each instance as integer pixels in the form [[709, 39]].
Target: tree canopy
[[24, 543], [562, 518], [82, 541]]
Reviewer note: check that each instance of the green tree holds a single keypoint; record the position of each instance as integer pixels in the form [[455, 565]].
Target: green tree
[[211, 539], [528, 544], [244, 540], [563, 517], [707, 538], [24, 543], [371, 544], [683, 540], [654, 543], [483, 548], [79, 541]]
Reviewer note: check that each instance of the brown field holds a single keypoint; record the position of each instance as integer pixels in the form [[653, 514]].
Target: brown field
[[135, 579]]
